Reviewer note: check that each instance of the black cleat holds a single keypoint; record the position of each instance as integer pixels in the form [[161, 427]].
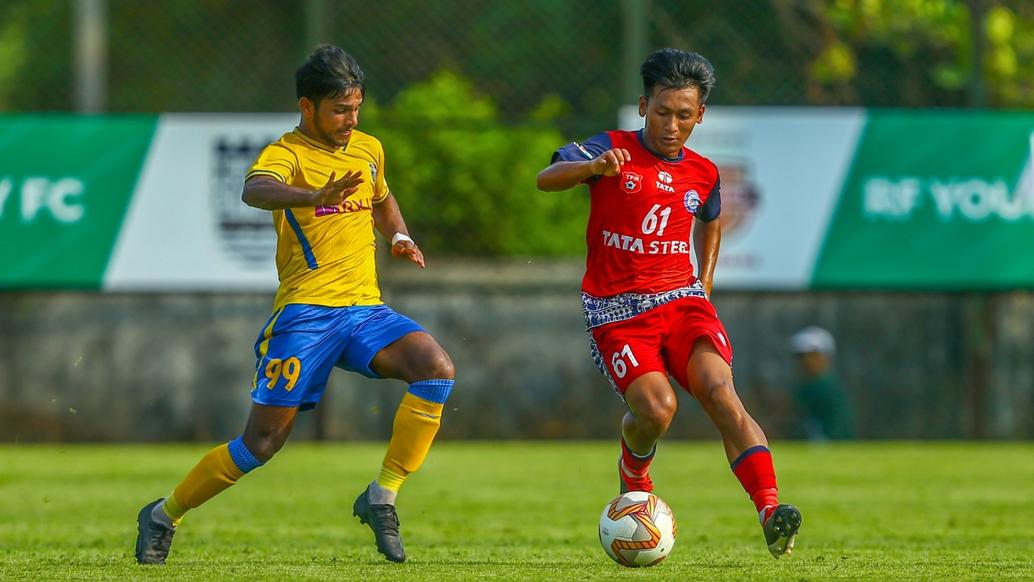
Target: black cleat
[[781, 529], [153, 539], [384, 522]]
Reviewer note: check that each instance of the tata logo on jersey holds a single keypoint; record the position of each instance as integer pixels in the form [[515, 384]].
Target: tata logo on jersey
[[631, 182], [664, 181]]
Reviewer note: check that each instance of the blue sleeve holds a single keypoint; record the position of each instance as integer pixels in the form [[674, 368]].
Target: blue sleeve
[[583, 151], [713, 207]]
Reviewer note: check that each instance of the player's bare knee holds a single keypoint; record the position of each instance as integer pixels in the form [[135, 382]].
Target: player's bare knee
[[657, 416], [264, 444], [438, 366], [659, 424], [267, 448]]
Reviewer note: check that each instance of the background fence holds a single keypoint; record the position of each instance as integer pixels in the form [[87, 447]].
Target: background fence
[[178, 366], [238, 55], [475, 95]]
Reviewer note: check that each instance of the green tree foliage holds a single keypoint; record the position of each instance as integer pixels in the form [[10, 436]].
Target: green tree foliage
[[35, 55], [515, 52], [204, 55], [239, 55], [463, 160], [924, 52], [466, 181]]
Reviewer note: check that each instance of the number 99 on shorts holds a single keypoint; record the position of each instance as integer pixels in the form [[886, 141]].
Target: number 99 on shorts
[[290, 369]]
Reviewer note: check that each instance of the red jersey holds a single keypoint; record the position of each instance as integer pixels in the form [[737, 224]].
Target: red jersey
[[640, 221]]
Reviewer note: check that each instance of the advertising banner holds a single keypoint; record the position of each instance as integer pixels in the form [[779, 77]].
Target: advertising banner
[[849, 198], [811, 199], [935, 200], [187, 228], [65, 185]]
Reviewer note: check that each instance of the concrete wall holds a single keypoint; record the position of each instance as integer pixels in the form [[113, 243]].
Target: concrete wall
[[151, 367]]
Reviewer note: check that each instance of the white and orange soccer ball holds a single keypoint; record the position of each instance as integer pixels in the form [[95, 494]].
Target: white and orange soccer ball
[[637, 529]]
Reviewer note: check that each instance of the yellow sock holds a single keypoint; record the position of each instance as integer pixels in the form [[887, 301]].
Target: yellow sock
[[416, 423], [390, 480], [214, 472], [174, 510]]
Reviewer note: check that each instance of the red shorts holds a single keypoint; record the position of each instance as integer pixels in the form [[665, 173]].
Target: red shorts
[[660, 340]]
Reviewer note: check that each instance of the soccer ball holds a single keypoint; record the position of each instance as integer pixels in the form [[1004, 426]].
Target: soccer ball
[[637, 529]]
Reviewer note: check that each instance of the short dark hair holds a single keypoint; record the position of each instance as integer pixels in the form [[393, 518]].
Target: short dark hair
[[328, 72], [677, 69]]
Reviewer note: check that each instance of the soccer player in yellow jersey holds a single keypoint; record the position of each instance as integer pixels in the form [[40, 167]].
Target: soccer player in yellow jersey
[[325, 184]]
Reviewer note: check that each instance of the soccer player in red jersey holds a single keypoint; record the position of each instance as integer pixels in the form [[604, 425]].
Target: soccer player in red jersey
[[647, 313]]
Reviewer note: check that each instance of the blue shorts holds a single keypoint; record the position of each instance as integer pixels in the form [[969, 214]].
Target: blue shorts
[[301, 344]]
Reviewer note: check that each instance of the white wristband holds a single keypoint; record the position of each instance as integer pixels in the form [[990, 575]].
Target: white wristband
[[399, 237]]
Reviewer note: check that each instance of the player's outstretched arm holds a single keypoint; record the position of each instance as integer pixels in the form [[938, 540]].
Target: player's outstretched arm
[[387, 217], [707, 238], [271, 194], [565, 175]]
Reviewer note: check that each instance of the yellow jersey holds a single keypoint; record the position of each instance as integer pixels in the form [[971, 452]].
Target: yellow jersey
[[325, 255]]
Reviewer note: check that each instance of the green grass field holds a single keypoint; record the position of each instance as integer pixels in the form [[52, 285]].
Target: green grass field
[[515, 511]]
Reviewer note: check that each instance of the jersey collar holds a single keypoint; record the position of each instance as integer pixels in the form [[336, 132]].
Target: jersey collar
[[317, 144], [678, 158]]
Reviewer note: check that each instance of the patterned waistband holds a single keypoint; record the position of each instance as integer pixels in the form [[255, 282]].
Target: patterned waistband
[[603, 310]]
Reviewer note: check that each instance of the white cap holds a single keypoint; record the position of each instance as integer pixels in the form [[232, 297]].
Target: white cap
[[813, 339]]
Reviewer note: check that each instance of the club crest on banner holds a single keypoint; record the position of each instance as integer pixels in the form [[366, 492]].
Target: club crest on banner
[[741, 197], [245, 233]]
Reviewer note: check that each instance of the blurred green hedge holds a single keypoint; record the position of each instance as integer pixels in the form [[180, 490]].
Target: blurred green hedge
[[466, 180]]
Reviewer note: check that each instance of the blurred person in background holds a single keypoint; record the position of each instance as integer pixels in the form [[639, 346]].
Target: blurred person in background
[[325, 185], [825, 410], [648, 314]]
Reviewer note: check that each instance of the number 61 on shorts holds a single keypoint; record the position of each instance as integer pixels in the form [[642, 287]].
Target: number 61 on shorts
[[617, 361]]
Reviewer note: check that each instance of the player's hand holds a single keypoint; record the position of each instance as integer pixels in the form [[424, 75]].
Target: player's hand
[[408, 249], [336, 190], [609, 162]]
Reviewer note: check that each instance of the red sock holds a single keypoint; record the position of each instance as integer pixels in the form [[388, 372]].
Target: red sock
[[754, 470], [633, 463]]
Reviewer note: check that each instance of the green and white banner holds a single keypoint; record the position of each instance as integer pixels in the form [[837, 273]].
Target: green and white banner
[[935, 200], [187, 228], [134, 203], [851, 198], [65, 184], [812, 198]]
